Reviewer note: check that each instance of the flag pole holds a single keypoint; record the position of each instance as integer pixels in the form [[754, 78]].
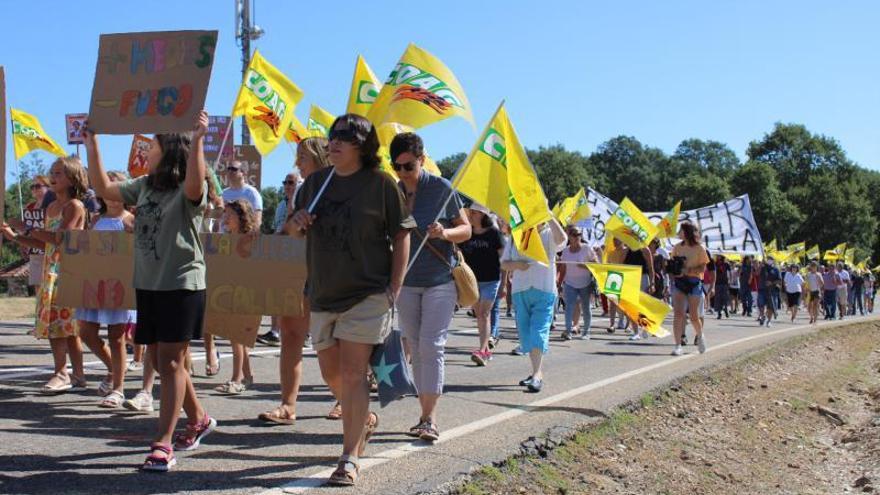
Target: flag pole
[[458, 170], [20, 202], [222, 145]]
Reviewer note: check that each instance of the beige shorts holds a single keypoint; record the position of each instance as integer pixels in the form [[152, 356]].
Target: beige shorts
[[842, 295], [367, 322]]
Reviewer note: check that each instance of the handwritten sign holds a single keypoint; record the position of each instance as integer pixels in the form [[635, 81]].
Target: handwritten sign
[[33, 217], [74, 123], [251, 165], [213, 139], [137, 157], [151, 82], [247, 277]]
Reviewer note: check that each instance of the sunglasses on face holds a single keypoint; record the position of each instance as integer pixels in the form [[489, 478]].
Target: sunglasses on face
[[38, 186], [345, 135], [288, 182], [409, 167], [233, 169]]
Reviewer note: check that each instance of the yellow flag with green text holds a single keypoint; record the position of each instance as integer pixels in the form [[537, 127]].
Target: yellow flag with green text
[[836, 253], [320, 121], [668, 225], [365, 88], [420, 91], [498, 175], [28, 135], [648, 312], [618, 282], [813, 253], [631, 226], [267, 99], [582, 208]]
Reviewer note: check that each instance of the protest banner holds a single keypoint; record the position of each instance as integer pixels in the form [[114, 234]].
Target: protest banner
[[728, 226], [2, 145], [251, 165], [151, 82], [248, 276], [74, 123], [213, 139], [33, 217], [137, 157]]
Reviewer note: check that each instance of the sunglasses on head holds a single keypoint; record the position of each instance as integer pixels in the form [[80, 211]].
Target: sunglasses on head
[[346, 135], [288, 182], [409, 167]]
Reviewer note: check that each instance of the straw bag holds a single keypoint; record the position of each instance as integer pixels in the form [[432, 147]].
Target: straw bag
[[465, 280]]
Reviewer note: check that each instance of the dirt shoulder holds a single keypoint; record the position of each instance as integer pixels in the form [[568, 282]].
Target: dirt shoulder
[[16, 308], [802, 416]]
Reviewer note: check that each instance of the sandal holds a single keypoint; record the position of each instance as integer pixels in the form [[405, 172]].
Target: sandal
[[416, 431], [369, 429], [106, 386], [430, 433], [346, 474], [57, 384], [213, 370], [194, 433], [231, 388], [336, 412], [279, 415], [78, 384], [113, 400], [157, 463]]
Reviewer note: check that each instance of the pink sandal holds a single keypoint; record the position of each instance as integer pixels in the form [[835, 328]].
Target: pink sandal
[[161, 464], [194, 433]]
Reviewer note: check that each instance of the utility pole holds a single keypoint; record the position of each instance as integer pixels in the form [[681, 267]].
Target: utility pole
[[245, 32]]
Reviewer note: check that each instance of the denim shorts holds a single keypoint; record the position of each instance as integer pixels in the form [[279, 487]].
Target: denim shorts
[[697, 289], [488, 290]]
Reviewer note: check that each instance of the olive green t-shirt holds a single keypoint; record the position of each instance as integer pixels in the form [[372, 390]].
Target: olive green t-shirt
[[168, 253], [348, 247]]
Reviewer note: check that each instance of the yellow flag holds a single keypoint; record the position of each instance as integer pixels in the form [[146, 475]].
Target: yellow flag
[[555, 211], [782, 255], [320, 121], [267, 99], [668, 226], [849, 256], [365, 88], [631, 226], [497, 174], [28, 135], [813, 253], [876, 269], [420, 91], [648, 312], [573, 209], [798, 248], [770, 248], [836, 253], [734, 257], [618, 282], [296, 131], [386, 133], [566, 211], [582, 208]]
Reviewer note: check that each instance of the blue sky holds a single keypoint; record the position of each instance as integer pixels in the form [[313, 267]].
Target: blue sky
[[572, 72]]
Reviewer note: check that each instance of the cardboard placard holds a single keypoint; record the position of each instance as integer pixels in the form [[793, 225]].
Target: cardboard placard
[[151, 82], [251, 164], [74, 122], [137, 157], [2, 147], [213, 139], [248, 276]]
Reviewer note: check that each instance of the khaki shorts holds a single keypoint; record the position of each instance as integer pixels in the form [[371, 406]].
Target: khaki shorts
[[842, 295], [367, 322]]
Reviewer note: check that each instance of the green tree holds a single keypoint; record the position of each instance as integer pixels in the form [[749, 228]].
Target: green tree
[[450, 164], [560, 172], [795, 154], [632, 170], [775, 215], [711, 156], [698, 189], [271, 197]]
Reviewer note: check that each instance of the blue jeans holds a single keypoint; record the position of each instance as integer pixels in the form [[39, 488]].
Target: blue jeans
[[830, 302], [534, 314], [494, 316], [570, 295], [745, 295]]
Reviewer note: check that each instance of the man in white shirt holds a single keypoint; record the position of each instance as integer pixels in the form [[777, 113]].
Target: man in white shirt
[[240, 189], [842, 289]]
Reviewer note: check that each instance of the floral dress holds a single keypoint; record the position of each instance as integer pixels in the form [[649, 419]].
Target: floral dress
[[53, 322]]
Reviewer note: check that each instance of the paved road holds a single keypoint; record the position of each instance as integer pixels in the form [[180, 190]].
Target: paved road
[[67, 444]]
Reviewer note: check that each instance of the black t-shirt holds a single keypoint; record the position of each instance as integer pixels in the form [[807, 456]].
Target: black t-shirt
[[637, 257], [481, 254], [858, 281], [722, 271]]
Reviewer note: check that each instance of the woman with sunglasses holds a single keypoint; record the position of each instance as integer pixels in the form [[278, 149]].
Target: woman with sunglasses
[[427, 300], [356, 227]]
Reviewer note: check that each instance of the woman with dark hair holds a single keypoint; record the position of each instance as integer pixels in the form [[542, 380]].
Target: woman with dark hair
[[482, 252], [689, 258], [356, 227], [427, 300], [576, 281], [169, 273]]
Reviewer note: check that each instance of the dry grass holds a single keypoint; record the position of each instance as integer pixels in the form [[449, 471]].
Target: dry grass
[[16, 308]]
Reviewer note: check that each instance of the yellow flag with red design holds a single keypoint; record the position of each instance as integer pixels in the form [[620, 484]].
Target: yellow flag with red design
[[296, 131], [267, 99], [668, 226], [648, 312]]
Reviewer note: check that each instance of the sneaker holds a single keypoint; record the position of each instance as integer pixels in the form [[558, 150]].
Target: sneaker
[[308, 342], [566, 336], [135, 366], [269, 338], [701, 344], [678, 351], [585, 335], [479, 358], [517, 351], [525, 382], [536, 385], [684, 339], [142, 402], [636, 336], [768, 323], [493, 342], [760, 321]]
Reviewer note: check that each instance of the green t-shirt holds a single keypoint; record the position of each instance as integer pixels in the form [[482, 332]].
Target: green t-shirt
[[348, 247], [168, 251]]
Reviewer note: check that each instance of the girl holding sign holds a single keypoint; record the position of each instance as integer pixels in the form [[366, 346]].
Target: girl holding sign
[[169, 273], [67, 179]]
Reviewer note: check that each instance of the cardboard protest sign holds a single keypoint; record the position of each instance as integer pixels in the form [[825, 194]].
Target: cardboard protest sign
[[34, 216], [2, 146], [213, 139], [137, 157], [151, 82], [74, 123], [247, 277], [251, 164]]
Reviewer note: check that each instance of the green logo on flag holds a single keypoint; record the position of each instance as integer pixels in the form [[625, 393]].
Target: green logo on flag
[[493, 145], [367, 92], [613, 284]]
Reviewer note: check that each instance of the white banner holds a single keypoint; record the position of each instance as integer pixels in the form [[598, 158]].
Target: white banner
[[726, 227]]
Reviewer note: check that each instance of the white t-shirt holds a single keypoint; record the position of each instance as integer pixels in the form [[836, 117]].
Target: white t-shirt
[[578, 276], [733, 277], [793, 282], [814, 280], [537, 276], [844, 279], [248, 193]]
